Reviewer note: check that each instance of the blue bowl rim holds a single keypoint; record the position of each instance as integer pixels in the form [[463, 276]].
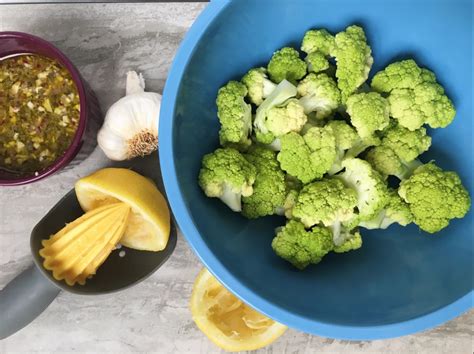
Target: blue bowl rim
[[192, 235]]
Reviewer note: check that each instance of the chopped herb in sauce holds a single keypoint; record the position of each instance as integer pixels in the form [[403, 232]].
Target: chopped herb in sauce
[[39, 113]]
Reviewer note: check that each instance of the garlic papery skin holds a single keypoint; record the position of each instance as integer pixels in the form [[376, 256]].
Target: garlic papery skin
[[130, 127]]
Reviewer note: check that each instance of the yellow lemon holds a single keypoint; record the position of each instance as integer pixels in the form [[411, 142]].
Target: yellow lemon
[[149, 221], [227, 321]]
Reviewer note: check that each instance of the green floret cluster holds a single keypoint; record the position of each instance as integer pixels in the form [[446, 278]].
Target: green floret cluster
[[307, 138]]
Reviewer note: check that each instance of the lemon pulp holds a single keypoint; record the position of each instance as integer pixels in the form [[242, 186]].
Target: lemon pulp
[[227, 321]]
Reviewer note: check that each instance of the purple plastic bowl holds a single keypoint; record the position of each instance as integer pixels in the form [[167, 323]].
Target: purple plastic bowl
[[84, 142]]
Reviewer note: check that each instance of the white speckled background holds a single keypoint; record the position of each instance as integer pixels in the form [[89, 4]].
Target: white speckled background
[[105, 41]]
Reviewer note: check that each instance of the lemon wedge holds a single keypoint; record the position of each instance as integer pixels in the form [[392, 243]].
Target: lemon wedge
[[148, 225], [227, 321]]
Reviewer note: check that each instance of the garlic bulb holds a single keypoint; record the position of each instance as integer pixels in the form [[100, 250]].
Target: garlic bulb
[[131, 124]]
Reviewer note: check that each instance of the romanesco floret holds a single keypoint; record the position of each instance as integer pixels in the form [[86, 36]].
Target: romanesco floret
[[258, 85], [435, 197], [302, 247], [317, 40], [354, 60], [369, 112], [319, 94], [227, 175], [286, 64], [327, 201], [372, 192], [269, 189], [317, 62], [396, 211], [310, 156], [282, 93], [235, 116]]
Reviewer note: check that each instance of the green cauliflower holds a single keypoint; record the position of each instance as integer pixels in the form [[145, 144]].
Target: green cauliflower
[[372, 192], [279, 96], [399, 75], [235, 116], [352, 241], [396, 211], [310, 156], [286, 64], [269, 189], [399, 149], [319, 94], [434, 197], [346, 138], [414, 95], [317, 40], [302, 247], [348, 143], [289, 117], [354, 60], [317, 44], [385, 161], [317, 62], [407, 144], [327, 201], [369, 112], [258, 85], [226, 174], [425, 104]]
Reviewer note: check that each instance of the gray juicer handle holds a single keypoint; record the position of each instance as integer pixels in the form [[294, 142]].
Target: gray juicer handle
[[23, 299]]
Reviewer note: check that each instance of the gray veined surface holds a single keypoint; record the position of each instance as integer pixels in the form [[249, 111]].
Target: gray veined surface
[[105, 41]]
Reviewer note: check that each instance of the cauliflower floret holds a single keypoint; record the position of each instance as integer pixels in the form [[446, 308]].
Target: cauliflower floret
[[284, 119], [415, 97], [435, 197], [258, 85], [319, 94], [407, 144], [327, 201], [402, 74], [317, 44], [286, 64], [396, 211], [317, 62], [235, 116], [354, 60], [227, 175], [317, 40], [310, 156], [282, 93], [269, 189], [372, 192], [301, 247], [352, 240], [369, 113]]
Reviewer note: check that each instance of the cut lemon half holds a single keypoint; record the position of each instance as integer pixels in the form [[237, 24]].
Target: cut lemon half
[[148, 226], [227, 321]]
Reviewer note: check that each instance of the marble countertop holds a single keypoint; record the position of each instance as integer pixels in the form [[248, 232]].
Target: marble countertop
[[105, 41]]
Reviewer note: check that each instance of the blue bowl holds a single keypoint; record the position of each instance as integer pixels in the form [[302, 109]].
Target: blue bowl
[[402, 280]]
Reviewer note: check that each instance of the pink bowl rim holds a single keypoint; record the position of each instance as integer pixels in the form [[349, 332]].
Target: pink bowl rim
[[76, 144]]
